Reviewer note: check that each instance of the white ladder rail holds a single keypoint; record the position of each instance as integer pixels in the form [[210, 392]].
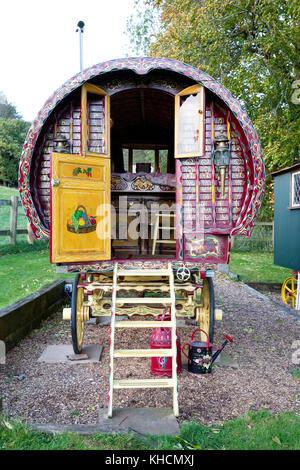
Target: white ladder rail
[[173, 343], [112, 341], [172, 352]]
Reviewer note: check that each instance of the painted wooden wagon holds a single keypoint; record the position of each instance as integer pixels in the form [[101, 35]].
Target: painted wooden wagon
[[287, 242], [140, 171]]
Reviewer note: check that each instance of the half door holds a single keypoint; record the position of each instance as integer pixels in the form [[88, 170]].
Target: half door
[[80, 208]]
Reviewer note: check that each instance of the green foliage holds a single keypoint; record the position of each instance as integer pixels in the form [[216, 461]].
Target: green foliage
[[141, 27], [7, 110], [12, 137], [252, 47]]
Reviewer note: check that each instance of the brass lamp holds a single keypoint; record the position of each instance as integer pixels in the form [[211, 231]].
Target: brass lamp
[[222, 159]]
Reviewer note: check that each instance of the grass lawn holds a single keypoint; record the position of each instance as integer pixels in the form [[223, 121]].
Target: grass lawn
[[254, 431], [257, 267], [23, 273]]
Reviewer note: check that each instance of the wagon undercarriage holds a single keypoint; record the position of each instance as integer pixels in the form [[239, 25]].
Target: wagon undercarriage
[[137, 297]]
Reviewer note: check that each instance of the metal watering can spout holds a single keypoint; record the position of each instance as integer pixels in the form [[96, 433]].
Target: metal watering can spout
[[219, 350]]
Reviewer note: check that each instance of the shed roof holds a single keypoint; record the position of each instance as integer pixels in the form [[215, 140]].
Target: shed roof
[[286, 169]]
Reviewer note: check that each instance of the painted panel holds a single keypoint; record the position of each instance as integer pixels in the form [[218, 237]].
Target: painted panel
[[207, 248], [80, 211]]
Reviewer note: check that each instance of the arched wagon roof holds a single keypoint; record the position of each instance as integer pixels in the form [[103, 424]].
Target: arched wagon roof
[[143, 66]]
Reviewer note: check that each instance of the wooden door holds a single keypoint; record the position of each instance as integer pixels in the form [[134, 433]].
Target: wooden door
[[80, 187], [80, 209]]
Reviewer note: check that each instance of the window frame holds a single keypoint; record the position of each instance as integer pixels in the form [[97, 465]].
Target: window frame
[[194, 89], [155, 147], [85, 89], [292, 190]]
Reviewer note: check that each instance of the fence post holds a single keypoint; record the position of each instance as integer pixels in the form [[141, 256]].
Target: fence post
[[13, 219]]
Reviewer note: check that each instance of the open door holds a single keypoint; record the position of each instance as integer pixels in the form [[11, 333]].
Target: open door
[[189, 122], [80, 188], [189, 143]]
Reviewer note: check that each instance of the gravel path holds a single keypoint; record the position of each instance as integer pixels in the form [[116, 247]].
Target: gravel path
[[71, 394]]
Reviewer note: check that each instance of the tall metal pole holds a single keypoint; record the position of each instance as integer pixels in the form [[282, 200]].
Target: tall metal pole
[[80, 26]]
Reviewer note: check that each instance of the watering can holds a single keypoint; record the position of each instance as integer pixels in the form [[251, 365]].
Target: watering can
[[201, 357]]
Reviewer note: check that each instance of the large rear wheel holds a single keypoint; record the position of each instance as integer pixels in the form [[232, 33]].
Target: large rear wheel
[[77, 316], [206, 313]]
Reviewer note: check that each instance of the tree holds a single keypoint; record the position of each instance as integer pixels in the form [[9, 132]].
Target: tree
[[8, 110], [141, 27], [12, 136], [252, 47]]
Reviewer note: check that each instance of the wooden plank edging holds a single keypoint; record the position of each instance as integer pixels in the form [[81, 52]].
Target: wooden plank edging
[[19, 319]]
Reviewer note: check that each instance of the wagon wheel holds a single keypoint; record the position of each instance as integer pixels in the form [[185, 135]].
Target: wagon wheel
[[77, 316], [206, 313], [289, 291]]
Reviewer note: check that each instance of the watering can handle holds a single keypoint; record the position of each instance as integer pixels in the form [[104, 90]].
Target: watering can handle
[[199, 329], [182, 349]]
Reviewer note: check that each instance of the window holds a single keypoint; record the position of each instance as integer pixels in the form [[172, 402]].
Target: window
[[295, 195], [145, 158], [189, 122], [95, 121]]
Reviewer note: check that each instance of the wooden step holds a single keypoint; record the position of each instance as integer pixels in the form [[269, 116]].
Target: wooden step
[[144, 324], [144, 383], [143, 352], [144, 300], [144, 272]]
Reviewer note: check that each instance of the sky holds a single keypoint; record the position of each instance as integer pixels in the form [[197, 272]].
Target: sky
[[39, 48]]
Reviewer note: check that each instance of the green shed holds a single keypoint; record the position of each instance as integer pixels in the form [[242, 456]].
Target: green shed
[[287, 217]]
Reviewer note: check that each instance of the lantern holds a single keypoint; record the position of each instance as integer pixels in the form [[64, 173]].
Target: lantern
[[222, 159], [61, 144]]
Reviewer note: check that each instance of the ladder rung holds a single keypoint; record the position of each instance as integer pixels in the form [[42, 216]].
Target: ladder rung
[[143, 324], [144, 272], [144, 300], [144, 383], [143, 352]]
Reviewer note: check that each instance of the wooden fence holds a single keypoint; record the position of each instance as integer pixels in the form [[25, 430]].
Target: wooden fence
[[263, 233], [13, 231]]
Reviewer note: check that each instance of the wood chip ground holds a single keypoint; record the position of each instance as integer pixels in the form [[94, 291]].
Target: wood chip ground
[[264, 346]]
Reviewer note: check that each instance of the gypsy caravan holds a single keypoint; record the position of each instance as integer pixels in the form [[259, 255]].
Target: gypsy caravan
[[140, 171]]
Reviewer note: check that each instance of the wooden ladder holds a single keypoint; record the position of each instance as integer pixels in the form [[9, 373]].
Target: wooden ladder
[[171, 352]]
